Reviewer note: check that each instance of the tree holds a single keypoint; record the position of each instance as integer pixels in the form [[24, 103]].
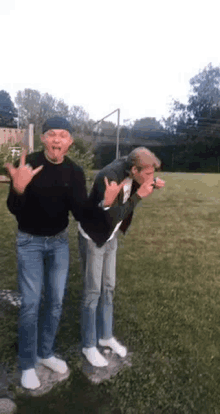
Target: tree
[[106, 128], [195, 126], [205, 93], [198, 120], [8, 112], [34, 107], [79, 118], [148, 128]]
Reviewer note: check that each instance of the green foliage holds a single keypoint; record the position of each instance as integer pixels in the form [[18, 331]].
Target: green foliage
[[82, 153], [6, 155], [35, 108], [8, 112]]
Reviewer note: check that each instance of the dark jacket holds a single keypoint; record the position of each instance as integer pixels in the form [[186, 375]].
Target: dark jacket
[[116, 171]]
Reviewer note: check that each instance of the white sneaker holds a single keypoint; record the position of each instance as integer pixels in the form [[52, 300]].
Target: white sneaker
[[55, 364], [29, 379], [95, 357], [114, 345]]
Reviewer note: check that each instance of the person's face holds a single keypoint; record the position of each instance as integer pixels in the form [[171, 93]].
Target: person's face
[[56, 143], [146, 174]]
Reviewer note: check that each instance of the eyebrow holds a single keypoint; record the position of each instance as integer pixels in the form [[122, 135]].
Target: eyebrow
[[52, 132]]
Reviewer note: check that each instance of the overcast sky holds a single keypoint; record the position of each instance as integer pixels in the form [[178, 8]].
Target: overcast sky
[[108, 54]]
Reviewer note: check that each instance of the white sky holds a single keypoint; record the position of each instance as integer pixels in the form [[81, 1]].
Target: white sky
[[107, 54]]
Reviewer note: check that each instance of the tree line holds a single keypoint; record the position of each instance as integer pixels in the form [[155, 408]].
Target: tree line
[[188, 139]]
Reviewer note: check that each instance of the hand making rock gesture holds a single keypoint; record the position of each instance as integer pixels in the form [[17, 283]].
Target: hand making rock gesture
[[112, 189], [22, 175]]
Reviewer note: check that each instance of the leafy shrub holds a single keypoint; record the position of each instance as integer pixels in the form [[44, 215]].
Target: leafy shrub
[[6, 155], [82, 153]]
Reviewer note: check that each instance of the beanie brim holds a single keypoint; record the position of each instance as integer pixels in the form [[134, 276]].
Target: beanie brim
[[57, 122]]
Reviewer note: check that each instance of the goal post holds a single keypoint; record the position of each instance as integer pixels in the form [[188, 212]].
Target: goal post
[[118, 124]]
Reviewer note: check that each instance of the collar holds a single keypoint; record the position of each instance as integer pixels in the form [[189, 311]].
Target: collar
[[52, 162]]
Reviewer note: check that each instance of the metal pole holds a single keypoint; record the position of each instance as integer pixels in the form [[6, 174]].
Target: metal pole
[[31, 137], [118, 125], [117, 143], [106, 116]]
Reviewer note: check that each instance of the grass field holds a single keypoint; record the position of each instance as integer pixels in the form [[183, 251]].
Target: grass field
[[167, 308]]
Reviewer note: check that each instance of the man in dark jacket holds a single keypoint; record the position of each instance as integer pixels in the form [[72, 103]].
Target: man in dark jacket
[[135, 177]]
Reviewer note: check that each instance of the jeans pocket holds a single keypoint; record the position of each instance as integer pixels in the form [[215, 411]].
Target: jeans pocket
[[23, 239]]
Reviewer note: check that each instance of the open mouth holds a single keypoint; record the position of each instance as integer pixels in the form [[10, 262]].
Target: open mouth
[[56, 148]]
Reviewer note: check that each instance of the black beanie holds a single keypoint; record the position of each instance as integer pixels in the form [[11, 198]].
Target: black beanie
[[57, 122]]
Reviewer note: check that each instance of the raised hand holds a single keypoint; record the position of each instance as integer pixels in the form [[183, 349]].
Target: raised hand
[[148, 186], [22, 175], [159, 183], [112, 189]]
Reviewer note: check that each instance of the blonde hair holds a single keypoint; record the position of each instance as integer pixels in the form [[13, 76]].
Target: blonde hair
[[141, 157]]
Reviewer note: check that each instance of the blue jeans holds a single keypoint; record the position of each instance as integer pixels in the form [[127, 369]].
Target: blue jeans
[[42, 261], [98, 266]]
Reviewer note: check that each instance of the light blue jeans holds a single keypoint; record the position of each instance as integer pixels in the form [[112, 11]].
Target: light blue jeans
[[42, 261], [98, 266]]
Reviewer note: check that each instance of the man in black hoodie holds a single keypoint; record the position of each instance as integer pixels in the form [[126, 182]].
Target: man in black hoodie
[[45, 186]]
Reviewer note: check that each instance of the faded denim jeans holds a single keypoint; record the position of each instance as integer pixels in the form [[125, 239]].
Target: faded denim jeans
[[42, 261], [98, 266]]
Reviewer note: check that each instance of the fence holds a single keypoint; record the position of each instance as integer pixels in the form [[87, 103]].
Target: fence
[[14, 136]]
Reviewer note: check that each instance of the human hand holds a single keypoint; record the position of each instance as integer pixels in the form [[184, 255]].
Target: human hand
[[146, 189], [159, 183], [22, 175], [112, 189]]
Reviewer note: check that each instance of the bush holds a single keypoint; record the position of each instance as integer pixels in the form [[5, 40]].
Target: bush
[[6, 155], [82, 153]]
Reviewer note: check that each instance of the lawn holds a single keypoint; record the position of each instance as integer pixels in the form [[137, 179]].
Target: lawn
[[167, 308]]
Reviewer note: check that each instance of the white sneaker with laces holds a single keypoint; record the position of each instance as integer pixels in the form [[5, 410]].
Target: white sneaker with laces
[[55, 364], [114, 345], [29, 379], [95, 357]]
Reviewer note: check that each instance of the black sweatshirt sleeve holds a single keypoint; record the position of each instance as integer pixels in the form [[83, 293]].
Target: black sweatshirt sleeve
[[78, 198], [15, 202]]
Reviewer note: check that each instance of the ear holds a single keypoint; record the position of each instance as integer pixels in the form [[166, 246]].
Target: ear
[[72, 143], [134, 170]]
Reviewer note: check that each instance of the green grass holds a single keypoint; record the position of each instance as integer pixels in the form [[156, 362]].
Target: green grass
[[167, 308]]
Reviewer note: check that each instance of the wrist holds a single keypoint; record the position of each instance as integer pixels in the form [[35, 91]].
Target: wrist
[[139, 196], [19, 190], [103, 205]]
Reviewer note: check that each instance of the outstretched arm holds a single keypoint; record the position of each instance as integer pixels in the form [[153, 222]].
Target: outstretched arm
[[22, 175], [20, 178]]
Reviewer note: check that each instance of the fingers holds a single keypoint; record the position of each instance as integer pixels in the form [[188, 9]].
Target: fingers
[[23, 158], [106, 181], [36, 171], [9, 167]]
